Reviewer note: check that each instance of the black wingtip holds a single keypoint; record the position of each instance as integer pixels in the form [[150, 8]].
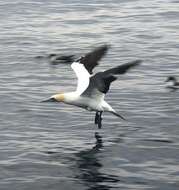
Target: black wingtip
[[124, 68], [104, 47], [91, 59], [136, 62]]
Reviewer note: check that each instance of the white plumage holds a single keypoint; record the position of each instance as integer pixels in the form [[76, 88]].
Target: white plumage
[[82, 75], [91, 89]]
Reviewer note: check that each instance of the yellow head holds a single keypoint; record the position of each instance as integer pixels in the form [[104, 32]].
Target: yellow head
[[58, 97]]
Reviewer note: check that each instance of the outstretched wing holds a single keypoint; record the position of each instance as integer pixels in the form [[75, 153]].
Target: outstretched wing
[[90, 60], [100, 82], [82, 75]]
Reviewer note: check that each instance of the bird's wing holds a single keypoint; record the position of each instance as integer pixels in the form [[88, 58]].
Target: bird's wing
[[82, 75], [121, 69], [90, 60], [100, 82]]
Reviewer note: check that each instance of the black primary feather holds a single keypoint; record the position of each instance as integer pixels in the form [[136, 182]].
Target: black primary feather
[[121, 69], [91, 59], [101, 81]]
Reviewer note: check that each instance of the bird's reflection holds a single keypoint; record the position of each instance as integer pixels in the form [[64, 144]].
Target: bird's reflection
[[89, 165]]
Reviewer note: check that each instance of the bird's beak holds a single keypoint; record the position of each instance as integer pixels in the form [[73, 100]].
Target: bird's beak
[[50, 100]]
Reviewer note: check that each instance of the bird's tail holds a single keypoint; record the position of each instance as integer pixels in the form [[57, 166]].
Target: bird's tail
[[118, 115], [108, 108]]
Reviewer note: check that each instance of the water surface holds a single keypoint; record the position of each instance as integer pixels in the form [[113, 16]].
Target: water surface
[[56, 146]]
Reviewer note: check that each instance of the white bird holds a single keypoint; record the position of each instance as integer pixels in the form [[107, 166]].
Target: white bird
[[91, 89]]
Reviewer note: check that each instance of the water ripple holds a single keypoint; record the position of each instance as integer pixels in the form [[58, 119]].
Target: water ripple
[[47, 146]]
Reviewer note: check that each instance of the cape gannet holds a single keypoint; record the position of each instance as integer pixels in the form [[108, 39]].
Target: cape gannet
[[91, 89], [172, 83]]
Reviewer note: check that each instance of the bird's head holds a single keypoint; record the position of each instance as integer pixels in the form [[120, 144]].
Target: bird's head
[[55, 98], [171, 78]]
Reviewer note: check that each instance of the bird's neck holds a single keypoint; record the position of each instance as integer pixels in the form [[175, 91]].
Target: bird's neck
[[172, 82]]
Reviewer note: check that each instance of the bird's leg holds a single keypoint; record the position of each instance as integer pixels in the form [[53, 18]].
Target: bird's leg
[[100, 120], [96, 118]]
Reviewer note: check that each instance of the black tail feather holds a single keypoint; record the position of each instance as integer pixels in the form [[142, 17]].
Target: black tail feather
[[118, 115]]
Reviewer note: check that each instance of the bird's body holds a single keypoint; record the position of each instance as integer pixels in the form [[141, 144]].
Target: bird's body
[[88, 103], [91, 89], [172, 83]]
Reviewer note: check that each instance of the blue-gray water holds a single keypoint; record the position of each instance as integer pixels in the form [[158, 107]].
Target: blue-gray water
[[56, 146]]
